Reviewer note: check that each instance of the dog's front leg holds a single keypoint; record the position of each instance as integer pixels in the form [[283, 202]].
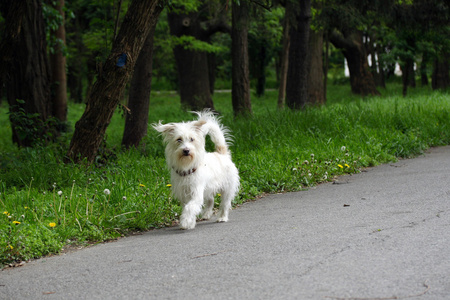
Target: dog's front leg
[[191, 210]]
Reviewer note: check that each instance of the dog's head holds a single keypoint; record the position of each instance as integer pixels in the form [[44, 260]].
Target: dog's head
[[185, 143]]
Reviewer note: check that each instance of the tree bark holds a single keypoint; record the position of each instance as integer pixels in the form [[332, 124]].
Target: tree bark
[[75, 68], [361, 79], [408, 76], [440, 77], [284, 62], [297, 80], [423, 69], [112, 79], [240, 77], [193, 70], [25, 69], [316, 90], [136, 121], [58, 65], [380, 79]]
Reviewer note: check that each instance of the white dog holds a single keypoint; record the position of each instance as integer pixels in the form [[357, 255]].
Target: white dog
[[196, 175]]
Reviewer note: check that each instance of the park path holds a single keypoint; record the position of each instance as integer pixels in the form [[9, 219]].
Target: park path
[[379, 234]]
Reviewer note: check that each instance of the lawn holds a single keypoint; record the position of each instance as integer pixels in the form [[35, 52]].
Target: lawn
[[47, 205]]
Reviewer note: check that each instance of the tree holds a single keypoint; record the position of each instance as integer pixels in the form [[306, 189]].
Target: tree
[[284, 62], [264, 36], [192, 30], [297, 85], [344, 21], [361, 79], [58, 64], [112, 79], [440, 76], [25, 70], [240, 78], [316, 89], [136, 121]]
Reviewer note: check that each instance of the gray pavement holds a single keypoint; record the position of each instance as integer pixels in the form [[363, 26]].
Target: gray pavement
[[380, 234]]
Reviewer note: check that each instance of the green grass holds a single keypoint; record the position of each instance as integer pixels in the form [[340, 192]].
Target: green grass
[[275, 151]]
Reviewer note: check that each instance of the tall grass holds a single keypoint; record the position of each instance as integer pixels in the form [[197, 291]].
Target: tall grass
[[47, 205]]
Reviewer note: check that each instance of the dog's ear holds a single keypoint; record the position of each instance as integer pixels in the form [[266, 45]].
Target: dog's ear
[[198, 124], [164, 129]]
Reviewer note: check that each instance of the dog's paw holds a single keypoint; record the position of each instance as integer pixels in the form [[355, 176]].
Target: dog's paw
[[206, 215], [222, 219], [187, 223]]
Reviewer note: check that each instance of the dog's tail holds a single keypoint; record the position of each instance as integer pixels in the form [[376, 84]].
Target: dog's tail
[[219, 134]]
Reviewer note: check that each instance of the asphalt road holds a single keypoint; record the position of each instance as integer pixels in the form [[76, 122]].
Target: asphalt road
[[380, 234]]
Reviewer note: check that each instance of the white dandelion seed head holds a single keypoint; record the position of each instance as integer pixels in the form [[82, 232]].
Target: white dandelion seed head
[[107, 192], [124, 198], [343, 148], [59, 193]]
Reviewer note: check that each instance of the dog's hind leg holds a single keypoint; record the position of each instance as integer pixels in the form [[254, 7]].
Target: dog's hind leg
[[225, 206], [207, 211]]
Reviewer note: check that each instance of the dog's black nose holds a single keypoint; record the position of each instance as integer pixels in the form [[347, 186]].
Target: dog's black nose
[[186, 152]]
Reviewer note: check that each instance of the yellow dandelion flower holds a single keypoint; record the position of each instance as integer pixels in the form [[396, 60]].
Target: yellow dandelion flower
[[10, 247], [52, 224], [26, 207], [347, 165], [16, 222], [141, 185], [340, 166], [169, 185], [219, 195], [5, 213]]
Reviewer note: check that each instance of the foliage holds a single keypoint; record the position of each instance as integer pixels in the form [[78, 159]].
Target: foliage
[[30, 126], [47, 205]]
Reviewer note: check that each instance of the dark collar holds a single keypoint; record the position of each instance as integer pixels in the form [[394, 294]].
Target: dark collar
[[184, 173]]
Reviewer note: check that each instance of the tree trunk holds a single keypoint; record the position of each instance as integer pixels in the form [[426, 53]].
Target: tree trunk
[[361, 79], [408, 76], [375, 66], [58, 64], [423, 69], [112, 79], [259, 68], [326, 63], [240, 77], [75, 68], [25, 69], [316, 91], [440, 77], [284, 61], [136, 121], [297, 80], [380, 79], [193, 70]]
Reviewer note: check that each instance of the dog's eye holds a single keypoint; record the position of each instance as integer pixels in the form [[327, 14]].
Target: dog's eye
[[179, 140], [192, 139]]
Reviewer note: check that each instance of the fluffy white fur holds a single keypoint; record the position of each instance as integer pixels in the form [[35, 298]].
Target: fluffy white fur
[[196, 175]]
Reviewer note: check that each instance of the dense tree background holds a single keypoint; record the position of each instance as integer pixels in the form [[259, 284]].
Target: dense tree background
[[196, 46]]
